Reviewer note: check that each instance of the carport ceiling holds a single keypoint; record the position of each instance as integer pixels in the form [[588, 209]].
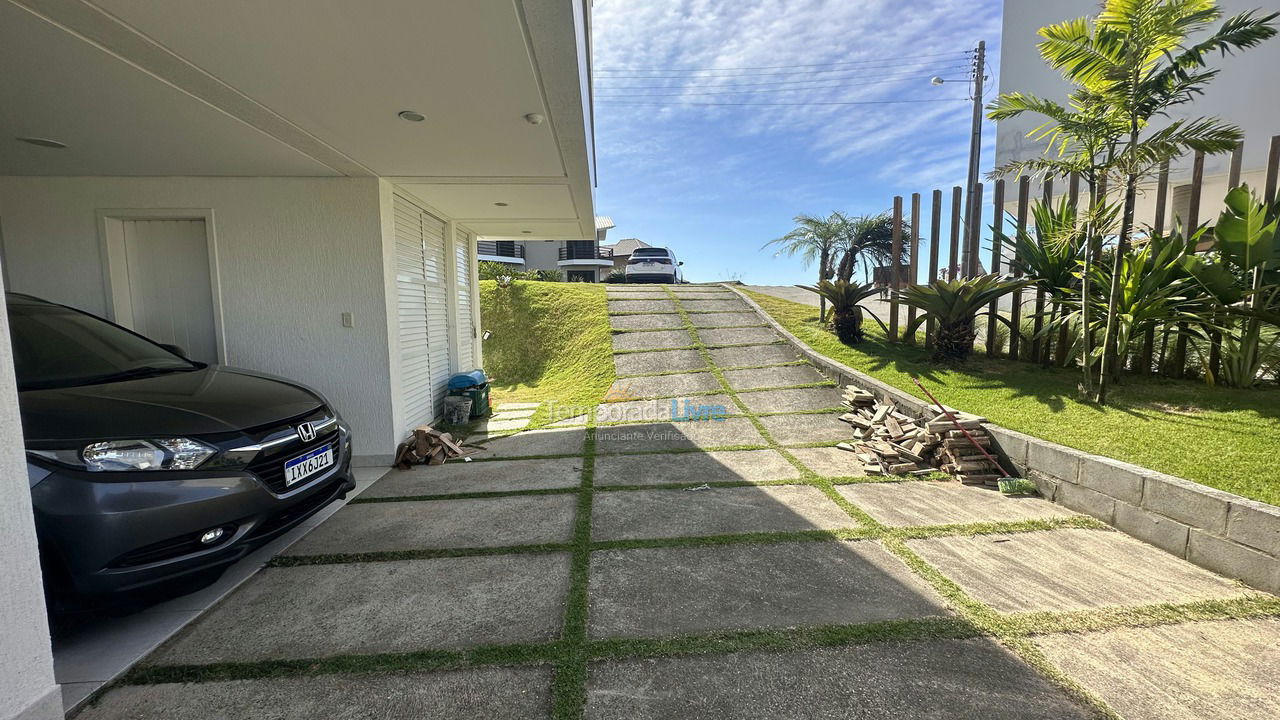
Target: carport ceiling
[[303, 87]]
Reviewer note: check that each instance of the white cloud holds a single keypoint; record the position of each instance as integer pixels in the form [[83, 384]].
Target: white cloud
[[890, 38]]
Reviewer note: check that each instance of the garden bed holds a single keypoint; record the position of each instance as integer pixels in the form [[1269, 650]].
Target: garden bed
[[1220, 437]]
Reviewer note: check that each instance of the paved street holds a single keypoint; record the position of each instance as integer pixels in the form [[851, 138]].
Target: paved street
[[733, 565]]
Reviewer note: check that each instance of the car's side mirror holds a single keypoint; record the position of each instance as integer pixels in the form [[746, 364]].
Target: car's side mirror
[[175, 349], [680, 263]]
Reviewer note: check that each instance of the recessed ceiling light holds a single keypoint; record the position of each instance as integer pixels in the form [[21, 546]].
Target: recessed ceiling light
[[534, 118], [43, 142], [527, 232], [411, 116], [500, 204]]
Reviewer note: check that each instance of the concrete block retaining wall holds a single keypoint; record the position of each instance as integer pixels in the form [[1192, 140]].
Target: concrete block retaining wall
[[1226, 533]]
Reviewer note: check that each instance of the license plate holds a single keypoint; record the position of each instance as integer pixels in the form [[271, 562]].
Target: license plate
[[306, 465]]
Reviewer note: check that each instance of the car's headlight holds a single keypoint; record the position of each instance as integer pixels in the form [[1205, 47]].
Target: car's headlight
[[131, 455]]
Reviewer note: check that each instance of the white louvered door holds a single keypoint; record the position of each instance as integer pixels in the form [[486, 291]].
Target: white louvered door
[[466, 324], [423, 311]]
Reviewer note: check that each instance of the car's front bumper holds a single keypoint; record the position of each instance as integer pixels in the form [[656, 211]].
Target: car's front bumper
[[116, 536]]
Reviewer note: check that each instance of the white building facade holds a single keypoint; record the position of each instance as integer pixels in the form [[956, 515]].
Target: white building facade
[[296, 187], [1238, 95]]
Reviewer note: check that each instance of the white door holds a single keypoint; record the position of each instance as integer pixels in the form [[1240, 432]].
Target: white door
[[423, 311], [170, 294], [466, 324]]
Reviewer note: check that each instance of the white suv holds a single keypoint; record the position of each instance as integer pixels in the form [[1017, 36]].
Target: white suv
[[653, 265]]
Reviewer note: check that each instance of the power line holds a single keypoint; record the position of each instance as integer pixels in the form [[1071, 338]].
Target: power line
[[677, 85], [795, 104], [782, 67], [806, 71]]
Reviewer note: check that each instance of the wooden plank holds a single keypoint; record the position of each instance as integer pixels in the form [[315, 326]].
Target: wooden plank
[[997, 202], [913, 277], [957, 200], [895, 268], [1073, 188], [935, 221], [1015, 309]]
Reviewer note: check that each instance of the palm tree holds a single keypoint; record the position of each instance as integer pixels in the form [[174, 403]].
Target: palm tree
[[846, 310], [953, 305], [1131, 64], [867, 240], [814, 238]]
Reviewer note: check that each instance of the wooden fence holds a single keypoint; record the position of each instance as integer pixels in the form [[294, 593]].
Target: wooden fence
[[1163, 352]]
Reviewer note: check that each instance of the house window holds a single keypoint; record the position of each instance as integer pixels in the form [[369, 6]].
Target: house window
[[582, 276]]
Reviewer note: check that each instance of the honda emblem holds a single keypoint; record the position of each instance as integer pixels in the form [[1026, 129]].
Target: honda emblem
[[307, 432]]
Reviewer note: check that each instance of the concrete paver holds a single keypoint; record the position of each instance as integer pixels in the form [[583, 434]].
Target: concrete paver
[[648, 411], [659, 361], [466, 477], [378, 607], [657, 592], [753, 355], [500, 693], [806, 429], [717, 466], [725, 305], [942, 680], [433, 524], [943, 503], [652, 340], [754, 378], [676, 436], [646, 322], [829, 462], [629, 305], [665, 386], [1069, 570], [738, 336], [1223, 669], [567, 441], [793, 400], [715, 511]]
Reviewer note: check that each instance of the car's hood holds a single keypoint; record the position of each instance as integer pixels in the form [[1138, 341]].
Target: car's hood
[[208, 401]]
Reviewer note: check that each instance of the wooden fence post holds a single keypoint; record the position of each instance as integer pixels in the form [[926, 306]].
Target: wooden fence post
[[1192, 220], [1039, 348], [935, 236], [993, 310], [975, 232], [1015, 307], [895, 268], [1147, 360], [957, 199], [913, 277]]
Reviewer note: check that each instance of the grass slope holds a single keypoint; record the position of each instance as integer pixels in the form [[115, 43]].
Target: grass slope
[[1224, 438], [551, 342]]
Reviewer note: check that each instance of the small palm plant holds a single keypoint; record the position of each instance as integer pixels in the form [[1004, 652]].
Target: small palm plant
[[953, 305], [846, 310]]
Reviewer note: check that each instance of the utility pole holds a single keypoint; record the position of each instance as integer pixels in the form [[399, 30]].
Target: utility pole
[[973, 210]]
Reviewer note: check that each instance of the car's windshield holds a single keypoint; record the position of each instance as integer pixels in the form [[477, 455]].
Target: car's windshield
[[651, 252], [59, 347]]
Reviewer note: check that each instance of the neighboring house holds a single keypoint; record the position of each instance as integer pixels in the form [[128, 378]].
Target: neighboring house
[[578, 260], [622, 251], [1236, 96], [295, 188]]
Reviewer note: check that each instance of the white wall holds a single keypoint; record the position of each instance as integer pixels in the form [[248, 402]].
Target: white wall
[[1241, 94], [27, 688], [542, 255], [293, 255]]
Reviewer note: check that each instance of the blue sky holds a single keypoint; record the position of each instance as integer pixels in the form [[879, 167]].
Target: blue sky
[[715, 182]]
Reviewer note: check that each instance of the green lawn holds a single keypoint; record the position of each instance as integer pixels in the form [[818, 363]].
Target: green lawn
[[551, 341], [1224, 438]]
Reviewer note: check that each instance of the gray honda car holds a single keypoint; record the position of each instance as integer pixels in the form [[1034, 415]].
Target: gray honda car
[[146, 466]]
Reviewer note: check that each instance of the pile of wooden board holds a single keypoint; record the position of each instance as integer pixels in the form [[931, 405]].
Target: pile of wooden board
[[427, 445], [889, 442]]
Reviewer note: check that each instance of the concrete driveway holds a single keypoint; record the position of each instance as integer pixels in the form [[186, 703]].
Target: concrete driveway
[[734, 566]]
